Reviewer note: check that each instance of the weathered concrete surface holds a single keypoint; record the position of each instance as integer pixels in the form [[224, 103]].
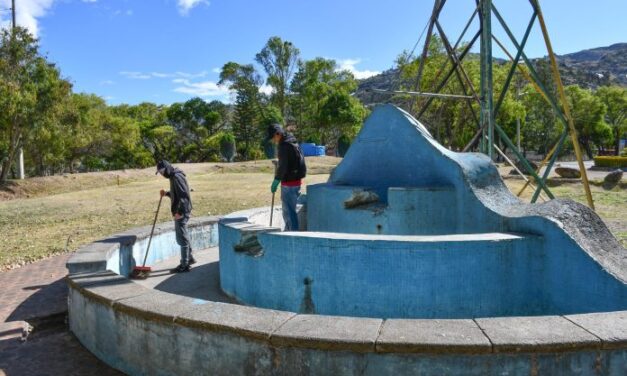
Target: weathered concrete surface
[[389, 276], [248, 321], [329, 333], [157, 304], [144, 332], [537, 334], [109, 288], [581, 266], [432, 336], [121, 252], [610, 327]]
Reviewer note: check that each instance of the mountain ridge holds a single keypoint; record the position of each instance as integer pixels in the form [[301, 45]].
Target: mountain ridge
[[589, 68]]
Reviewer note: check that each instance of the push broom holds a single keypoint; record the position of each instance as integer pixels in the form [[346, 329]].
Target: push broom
[[142, 272]]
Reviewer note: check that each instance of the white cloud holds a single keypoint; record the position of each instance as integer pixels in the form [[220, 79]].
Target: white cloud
[[147, 75], [191, 75], [266, 89], [136, 75], [89, 1], [216, 70], [27, 13], [201, 89], [186, 5], [349, 65], [178, 74], [107, 82]]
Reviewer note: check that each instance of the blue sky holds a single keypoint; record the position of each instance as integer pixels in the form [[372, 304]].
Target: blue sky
[[165, 51]]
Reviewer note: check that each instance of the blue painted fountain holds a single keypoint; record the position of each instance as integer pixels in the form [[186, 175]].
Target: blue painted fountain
[[405, 228]]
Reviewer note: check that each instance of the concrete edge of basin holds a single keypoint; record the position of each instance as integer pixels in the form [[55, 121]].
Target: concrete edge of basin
[[478, 336]]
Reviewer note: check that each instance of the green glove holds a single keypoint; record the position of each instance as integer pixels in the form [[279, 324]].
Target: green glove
[[275, 185]]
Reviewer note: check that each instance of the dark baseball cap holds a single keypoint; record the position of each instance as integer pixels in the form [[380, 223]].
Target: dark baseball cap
[[161, 165], [274, 129]]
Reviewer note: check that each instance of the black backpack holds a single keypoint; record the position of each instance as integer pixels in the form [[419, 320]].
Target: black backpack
[[301, 171]]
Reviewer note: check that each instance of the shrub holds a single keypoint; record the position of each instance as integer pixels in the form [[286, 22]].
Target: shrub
[[227, 147], [343, 143], [614, 162]]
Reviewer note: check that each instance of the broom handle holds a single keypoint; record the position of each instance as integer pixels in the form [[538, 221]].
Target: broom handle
[[152, 231], [272, 209], [274, 162]]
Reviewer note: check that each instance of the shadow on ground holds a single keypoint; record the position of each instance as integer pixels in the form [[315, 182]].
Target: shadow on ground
[[202, 282], [37, 340], [50, 351], [47, 301]]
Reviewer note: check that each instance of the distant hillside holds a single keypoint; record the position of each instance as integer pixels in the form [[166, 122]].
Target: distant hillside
[[387, 80], [588, 68], [597, 66]]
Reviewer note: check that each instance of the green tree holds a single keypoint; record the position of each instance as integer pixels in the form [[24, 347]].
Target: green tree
[[245, 81], [84, 120], [322, 104], [588, 113], [158, 137], [615, 100], [45, 148], [194, 121], [30, 91], [123, 147], [279, 59]]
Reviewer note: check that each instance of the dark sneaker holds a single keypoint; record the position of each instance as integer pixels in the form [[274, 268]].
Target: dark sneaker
[[192, 260], [180, 269]]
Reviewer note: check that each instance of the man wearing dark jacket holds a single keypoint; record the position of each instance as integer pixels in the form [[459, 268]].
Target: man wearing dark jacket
[[289, 173], [181, 208]]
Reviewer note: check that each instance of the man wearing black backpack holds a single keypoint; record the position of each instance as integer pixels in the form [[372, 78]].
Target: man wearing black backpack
[[289, 173]]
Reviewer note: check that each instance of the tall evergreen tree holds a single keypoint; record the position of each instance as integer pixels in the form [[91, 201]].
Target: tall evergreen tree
[[245, 81], [279, 59]]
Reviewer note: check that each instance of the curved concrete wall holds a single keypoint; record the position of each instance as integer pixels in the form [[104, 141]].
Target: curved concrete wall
[[451, 276], [460, 276], [409, 211], [583, 266], [146, 332], [120, 252]]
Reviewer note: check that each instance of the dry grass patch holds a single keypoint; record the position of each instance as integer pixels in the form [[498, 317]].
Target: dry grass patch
[[36, 228], [610, 205], [58, 184], [87, 207]]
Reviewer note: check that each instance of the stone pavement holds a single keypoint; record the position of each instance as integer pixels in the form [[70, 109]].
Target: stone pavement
[[34, 339], [34, 290], [203, 282]]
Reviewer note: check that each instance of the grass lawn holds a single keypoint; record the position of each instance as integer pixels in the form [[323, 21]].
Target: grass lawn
[[41, 217]]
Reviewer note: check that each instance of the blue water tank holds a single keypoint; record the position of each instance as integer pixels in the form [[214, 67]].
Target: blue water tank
[[312, 150]]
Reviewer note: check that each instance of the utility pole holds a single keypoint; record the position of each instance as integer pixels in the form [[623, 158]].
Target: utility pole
[[21, 151], [13, 13], [487, 107]]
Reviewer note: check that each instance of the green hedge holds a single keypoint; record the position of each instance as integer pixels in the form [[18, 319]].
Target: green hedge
[[618, 162]]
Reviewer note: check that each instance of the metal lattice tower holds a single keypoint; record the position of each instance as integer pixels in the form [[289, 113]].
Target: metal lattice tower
[[487, 127]]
